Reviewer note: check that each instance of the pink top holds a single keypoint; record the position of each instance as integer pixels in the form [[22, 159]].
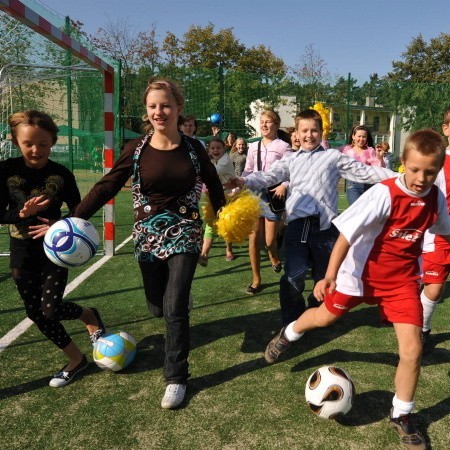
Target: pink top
[[274, 151], [368, 156]]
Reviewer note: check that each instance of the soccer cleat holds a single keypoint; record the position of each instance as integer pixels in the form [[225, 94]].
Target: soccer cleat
[[276, 346], [63, 377], [97, 334], [408, 432], [173, 396], [427, 344]]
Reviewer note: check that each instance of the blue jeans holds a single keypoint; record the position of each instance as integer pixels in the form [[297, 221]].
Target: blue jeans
[[167, 284], [355, 190], [306, 247]]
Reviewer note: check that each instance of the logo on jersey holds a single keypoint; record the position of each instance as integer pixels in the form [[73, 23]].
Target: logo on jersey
[[408, 234], [418, 203]]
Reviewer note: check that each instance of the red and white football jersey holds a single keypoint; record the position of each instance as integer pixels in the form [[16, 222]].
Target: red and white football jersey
[[385, 228], [434, 242]]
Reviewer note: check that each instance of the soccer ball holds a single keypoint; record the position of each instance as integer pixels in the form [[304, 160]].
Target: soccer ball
[[71, 242], [329, 392], [215, 118], [114, 351]]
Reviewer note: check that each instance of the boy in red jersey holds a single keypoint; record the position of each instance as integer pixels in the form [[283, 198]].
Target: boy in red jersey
[[380, 239], [436, 256]]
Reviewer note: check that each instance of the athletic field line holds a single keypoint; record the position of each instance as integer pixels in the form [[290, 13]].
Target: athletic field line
[[23, 326]]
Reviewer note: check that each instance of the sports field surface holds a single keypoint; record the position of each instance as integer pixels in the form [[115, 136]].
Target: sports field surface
[[234, 399]]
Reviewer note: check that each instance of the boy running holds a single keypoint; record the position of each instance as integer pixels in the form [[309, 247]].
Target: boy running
[[380, 239], [313, 173]]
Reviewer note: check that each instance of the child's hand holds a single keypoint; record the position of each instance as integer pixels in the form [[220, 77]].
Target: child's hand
[[33, 206], [324, 287], [234, 182], [279, 191], [233, 192], [38, 231]]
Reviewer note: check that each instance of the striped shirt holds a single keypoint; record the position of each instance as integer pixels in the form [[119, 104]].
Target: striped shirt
[[313, 178]]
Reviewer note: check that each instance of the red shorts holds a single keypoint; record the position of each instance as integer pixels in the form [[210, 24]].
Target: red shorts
[[396, 306], [436, 267]]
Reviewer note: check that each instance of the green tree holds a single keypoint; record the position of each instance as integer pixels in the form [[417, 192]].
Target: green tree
[[219, 74], [421, 82]]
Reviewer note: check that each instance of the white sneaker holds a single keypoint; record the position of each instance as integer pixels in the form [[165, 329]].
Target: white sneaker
[[174, 396], [63, 377]]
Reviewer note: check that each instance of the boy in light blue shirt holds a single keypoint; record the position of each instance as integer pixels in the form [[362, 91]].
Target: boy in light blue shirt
[[312, 203]]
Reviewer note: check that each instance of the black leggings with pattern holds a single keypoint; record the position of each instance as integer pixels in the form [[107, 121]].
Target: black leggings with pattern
[[42, 293]]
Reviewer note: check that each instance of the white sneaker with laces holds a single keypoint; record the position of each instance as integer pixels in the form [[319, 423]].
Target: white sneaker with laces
[[173, 396], [64, 377]]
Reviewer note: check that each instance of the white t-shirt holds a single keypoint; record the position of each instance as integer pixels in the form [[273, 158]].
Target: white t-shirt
[[224, 167], [385, 229]]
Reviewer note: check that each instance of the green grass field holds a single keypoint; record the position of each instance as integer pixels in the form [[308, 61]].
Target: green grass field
[[234, 399]]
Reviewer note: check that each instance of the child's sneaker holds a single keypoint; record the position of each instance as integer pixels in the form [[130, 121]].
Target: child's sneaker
[[276, 346], [408, 432], [63, 377], [96, 335], [173, 396]]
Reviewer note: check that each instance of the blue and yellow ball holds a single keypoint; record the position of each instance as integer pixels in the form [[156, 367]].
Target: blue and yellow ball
[[114, 351]]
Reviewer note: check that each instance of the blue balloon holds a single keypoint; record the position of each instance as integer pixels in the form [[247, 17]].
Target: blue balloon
[[216, 118]]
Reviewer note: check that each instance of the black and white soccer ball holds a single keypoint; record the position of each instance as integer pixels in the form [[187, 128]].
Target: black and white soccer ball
[[329, 392]]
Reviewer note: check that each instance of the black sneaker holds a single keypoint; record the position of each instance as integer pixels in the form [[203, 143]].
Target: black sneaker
[[96, 335], [408, 432], [63, 377], [276, 347], [427, 343]]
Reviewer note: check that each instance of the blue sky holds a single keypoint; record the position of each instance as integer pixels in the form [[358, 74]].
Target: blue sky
[[357, 36]]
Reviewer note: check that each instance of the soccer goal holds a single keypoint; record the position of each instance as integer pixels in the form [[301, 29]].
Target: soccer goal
[[46, 63]]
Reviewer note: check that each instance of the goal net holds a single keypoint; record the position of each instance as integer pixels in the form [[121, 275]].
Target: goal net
[[36, 73]]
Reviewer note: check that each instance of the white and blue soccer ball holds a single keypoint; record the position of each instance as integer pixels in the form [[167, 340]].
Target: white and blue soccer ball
[[71, 242], [114, 351], [329, 392]]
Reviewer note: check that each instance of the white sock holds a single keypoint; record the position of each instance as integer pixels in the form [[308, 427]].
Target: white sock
[[290, 334], [428, 310], [401, 408]]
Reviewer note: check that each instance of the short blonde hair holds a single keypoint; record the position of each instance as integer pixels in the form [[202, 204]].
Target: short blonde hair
[[427, 142], [309, 114]]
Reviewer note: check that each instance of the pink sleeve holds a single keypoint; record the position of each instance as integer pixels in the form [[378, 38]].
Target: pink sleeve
[[251, 160], [372, 158]]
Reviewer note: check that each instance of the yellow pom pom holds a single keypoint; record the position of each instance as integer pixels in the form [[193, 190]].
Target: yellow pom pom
[[207, 210], [325, 115], [238, 218]]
